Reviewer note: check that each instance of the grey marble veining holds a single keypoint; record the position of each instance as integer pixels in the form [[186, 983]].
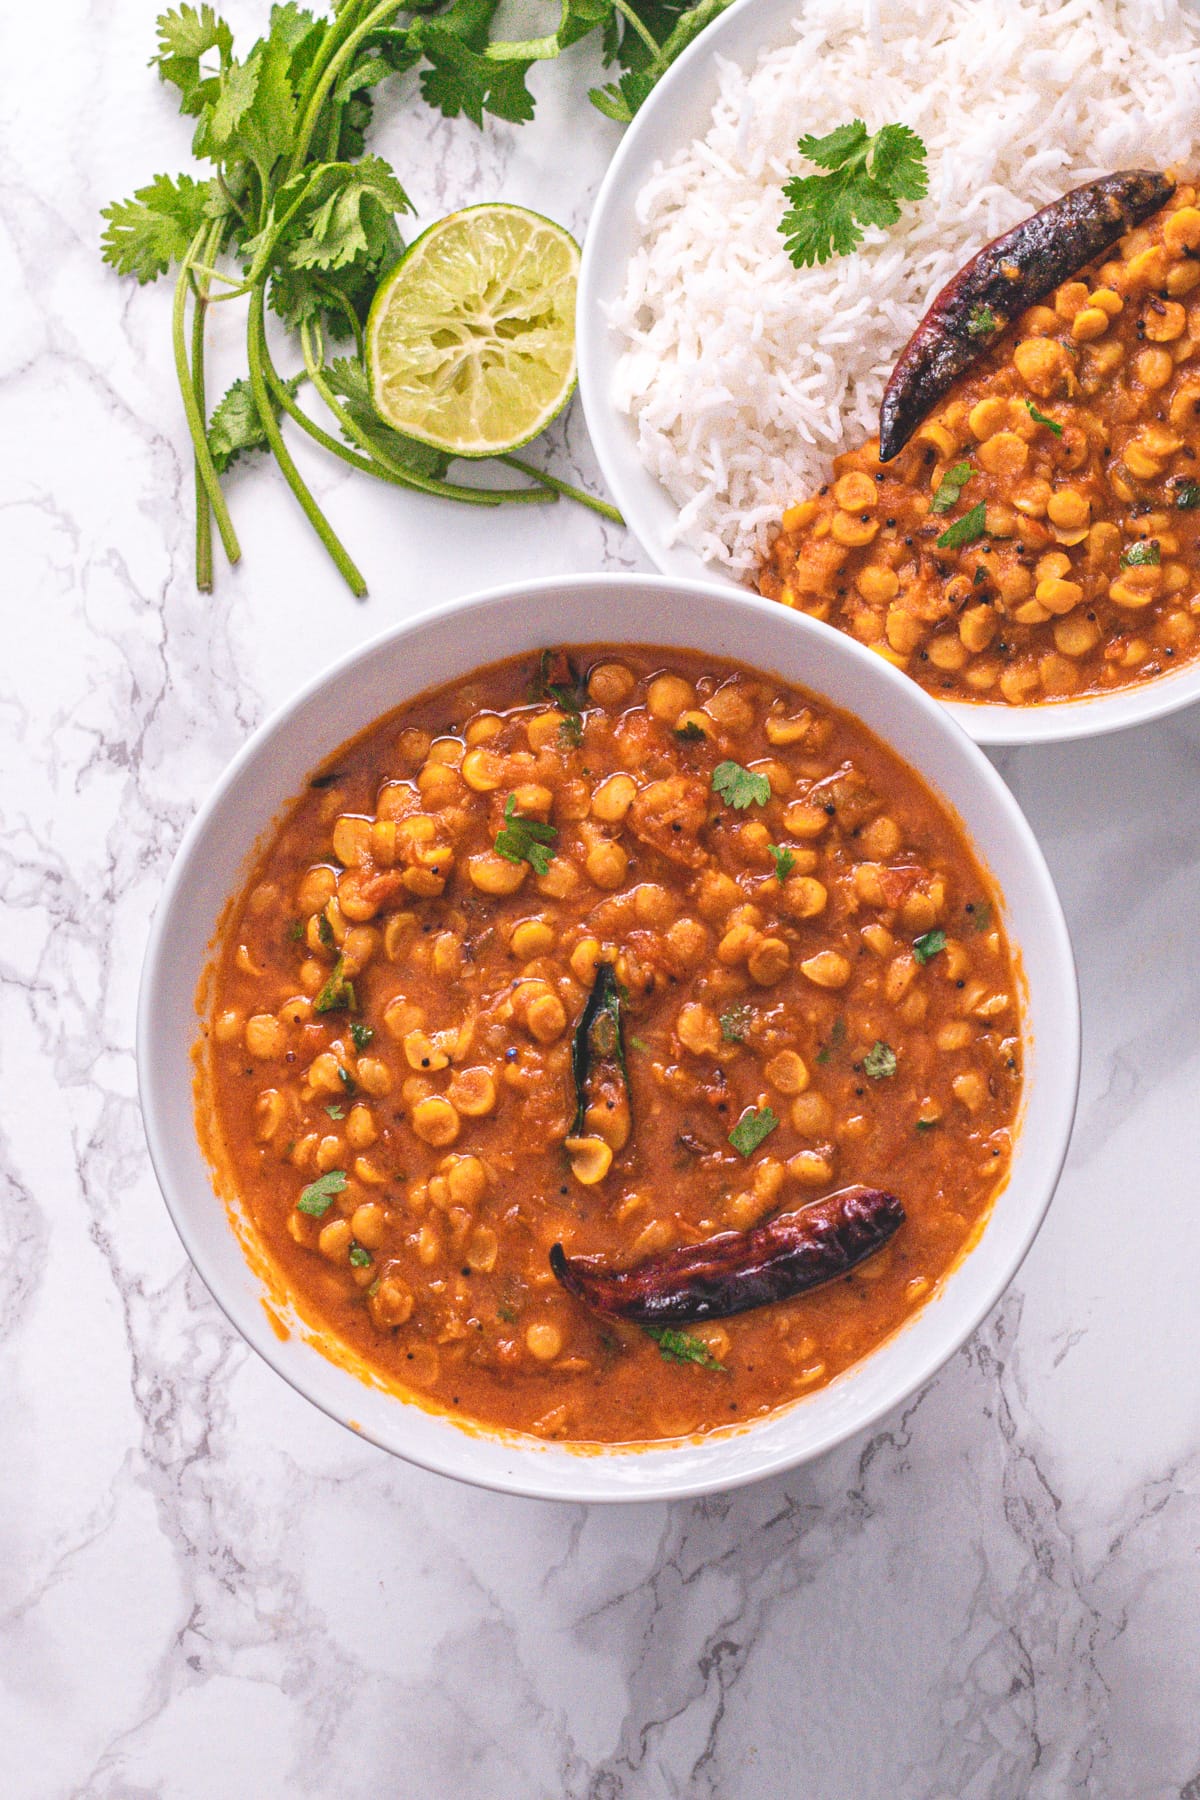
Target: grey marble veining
[[208, 1589]]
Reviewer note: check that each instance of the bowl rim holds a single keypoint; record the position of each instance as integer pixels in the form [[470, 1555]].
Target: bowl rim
[[520, 1474], [739, 34]]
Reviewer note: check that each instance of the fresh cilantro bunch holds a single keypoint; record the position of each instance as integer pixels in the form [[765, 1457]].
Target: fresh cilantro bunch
[[867, 178], [295, 216]]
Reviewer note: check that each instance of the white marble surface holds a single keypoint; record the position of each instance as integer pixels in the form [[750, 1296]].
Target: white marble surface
[[208, 1589]]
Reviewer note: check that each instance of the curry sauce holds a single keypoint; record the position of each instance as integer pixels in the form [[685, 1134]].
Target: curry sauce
[[806, 985]]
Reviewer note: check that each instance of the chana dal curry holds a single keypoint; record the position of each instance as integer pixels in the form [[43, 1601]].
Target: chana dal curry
[[1036, 536], [614, 1048]]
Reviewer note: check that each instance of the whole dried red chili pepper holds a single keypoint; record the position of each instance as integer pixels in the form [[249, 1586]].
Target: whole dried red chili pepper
[[1009, 274], [740, 1269]]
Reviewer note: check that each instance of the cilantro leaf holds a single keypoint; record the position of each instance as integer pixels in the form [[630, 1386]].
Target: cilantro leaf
[[154, 229], [236, 427], [343, 211], [361, 1034], [950, 487], [335, 1111], [359, 1258], [867, 178], [460, 76], [1187, 496], [880, 1061], [682, 1347], [837, 1038], [337, 995], [620, 100], [1039, 418], [965, 530], [1145, 554], [929, 944], [928, 1124], [751, 1129], [690, 732], [981, 321], [740, 787], [231, 99], [525, 840], [565, 695], [185, 36], [317, 1198], [783, 859], [734, 1022]]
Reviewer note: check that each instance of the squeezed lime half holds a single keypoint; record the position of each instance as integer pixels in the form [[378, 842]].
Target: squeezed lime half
[[471, 337]]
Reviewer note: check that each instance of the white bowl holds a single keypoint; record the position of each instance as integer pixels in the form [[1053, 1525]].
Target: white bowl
[[679, 109], [213, 862]]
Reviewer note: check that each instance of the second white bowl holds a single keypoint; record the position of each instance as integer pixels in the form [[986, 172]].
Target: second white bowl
[[213, 863]]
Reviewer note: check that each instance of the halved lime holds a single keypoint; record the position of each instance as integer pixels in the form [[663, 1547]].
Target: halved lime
[[471, 338]]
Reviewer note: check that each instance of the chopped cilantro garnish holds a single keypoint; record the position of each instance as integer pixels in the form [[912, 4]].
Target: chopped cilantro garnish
[[928, 1124], [638, 1043], [735, 1021], [507, 1313], [360, 1258], [682, 1347], [338, 993], [837, 1037], [335, 1111], [1143, 555], [783, 859], [950, 487], [347, 1080], [525, 840], [296, 931], [981, 321], [867, 178], [325, 931], [565, 695], [690, 732], [1040, 418], [965, 530], [317, 1198], [740, 787], [362, 1034], [981, 915], [880, 1061], [751, 1129], [1187, 496], [928, 944]]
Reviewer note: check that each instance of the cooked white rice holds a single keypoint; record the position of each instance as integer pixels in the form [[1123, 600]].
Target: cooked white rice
[[744, 375]]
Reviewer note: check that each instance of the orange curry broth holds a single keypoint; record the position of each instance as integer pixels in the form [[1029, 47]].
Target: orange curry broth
[[470, 973], [1080, 429]]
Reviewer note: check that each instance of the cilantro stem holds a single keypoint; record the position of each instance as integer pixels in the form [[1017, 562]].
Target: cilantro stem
[[329, 74], [603, 507], [204, 555], [652, 44], [291, 406], [205, 270], [206, 472], [255, 347], [425, 484], [370, 465]]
